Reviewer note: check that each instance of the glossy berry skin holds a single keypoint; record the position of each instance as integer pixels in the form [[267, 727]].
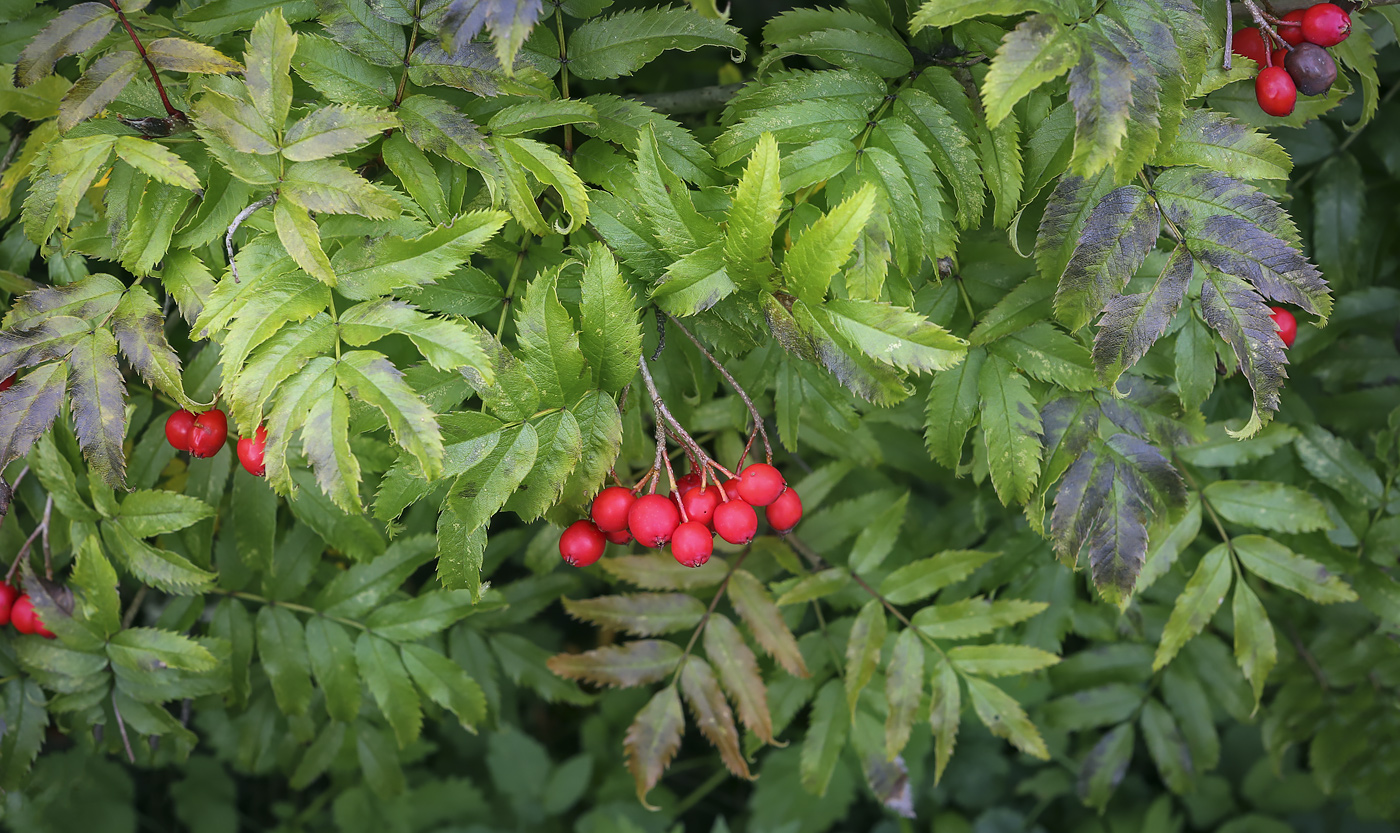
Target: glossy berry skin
[[1275, 91], [178, 427], [1311, 68], [209, 433], [736, 522], [653, 519], [784, 513], [8, 594], [1249, 43], [1292, 34], [1326, 24], [1280, 55], [686, 482], [760, 484], [581, 544], [692, 544], [251, 451], [610, 508], [1287, 325], [700, 504], [621, 537], [26, 619], [5, 385]]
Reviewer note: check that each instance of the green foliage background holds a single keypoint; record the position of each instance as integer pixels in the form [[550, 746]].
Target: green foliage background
[[1085, 548]]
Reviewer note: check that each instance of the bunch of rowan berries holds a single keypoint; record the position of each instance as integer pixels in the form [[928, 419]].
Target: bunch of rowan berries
[[1297, 60], [203, 434], [689, 518], [17, 609]]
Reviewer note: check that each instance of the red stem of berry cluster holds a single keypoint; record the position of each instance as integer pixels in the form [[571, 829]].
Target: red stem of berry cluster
[[665, 422], [42, 530], [1266, 23], [170, 109]]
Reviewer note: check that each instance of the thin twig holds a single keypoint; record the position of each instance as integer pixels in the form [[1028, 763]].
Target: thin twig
[[660, 333], [408, 53], [1307, 656], [688, 442], [170, 109], [728, 377], [1229, 34], [238, 221], [16, 136], [134, 608], [121, 725], [44, 525]]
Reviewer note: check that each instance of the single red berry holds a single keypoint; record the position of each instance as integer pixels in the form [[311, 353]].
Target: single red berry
[[209, 432], [1286, 324], [731, 489], [251, 451], [784, 513], [8, 594], [686, 482], [1311, 68], [1292, 34], [581, 544], [26, 619], [1326, 24], [610, 508], [692, 544], [736, 522], [1280, 55], [622, 536], [700, 503], [1275, 91], [1250, 44], [5, 385], [760, 484], [178, 427], [653, 519]]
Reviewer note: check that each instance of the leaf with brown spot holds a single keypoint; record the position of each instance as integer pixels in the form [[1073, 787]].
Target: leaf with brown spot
[[738, 670], [712, 715], [758, 611], [624, 666], [640, 614], [652, 740]]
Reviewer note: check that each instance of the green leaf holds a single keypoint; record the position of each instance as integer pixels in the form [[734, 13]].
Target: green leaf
[[945, 713], [77, 29], [439, 128], [358, 590], [139, 329], [148, 513], [600, 426], [379, 761], [446, 684], [609, 336], [333, 662], [1211, 140], [1255, 648], [1131, 324], [829, 726], [1119, 233], [320, 755], [657, 574], [1038, 50], [151, 650], [1001, 714], [625, 666], [953, 409], [738, 671], [1191, 197], [758, 200], [1011, 429], [826, 245], [694, 283], [847, 40], [863, 650], [1267, 505], [939, 14], [157, 162], [1066, 214], [330, 188], [896, 336], [950, 149], [1338, 463], [333, 130], [1093, 707], [666, 200], [561, 449], [625, 42], [1000, 149], [445, 343], [282, 648], [904, 687], [1196, 605], [371, 378], [1166, 745], [765, 621], [340, 75], [549, 345], [973, 617], [234, 122], [546, 165], [653, 739], [26, 720], [1100, 90], [876, 541], [384, 673], [999, 660], [180, 55], [99, 86], [1105, 765], [1279, 565], [483, 488], [1045, 353], [370, 268], [269, 67], [159, 568], [640, 614], [301, 238], [918, 580], [1278, 271], [219, 17], [1234, 310], [422, 616], [537, 116], [99, 604], [99, 406], [712, 714]]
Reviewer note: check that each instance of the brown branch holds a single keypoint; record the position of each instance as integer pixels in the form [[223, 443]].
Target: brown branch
[[170, 109], [758, 427]]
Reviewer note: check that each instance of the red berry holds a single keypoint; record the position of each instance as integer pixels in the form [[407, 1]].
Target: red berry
[[622, 536], [731, 489], [736, 522], [1286, 324], [5, 385], [26, 619], [581, 544], [610, 508], [8, 594], [692, 544], [1326, 24], [209, 432], [1250, 44], [760, 484], [784, 513], [178, 427], [1275, 91], [700, 504], [1293, 34], [1280, 55], [686, 482], [652, 520], [251, 451]]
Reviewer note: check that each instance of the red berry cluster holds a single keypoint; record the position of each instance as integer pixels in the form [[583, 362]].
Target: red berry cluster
[[688, 519], [1297, 61], [202, 435], [17, 609]]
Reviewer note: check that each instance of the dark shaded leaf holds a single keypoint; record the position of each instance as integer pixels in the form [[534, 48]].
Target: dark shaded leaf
[[1132, 323], [1117, 236], [654, 738]]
